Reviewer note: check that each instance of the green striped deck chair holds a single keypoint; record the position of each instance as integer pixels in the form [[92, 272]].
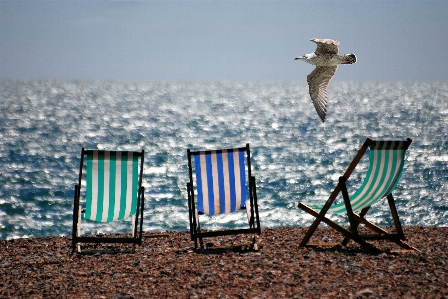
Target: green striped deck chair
[[113, 192], [386, 161], [221, 183]]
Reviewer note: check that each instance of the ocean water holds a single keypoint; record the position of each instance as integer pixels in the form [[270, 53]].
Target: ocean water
[[44, 124]]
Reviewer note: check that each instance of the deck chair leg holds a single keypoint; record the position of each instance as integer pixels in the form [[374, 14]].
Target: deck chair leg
[[190, 212], [319, 217], [338, 228], [195, 243], [133, 226], [361, 214], [314, 226], [197, 230], [201, 242], [399, 241], [348, 207], [75, 219], [394, 212], [78, 229], [257, 216], [254, 243], [201, 245], [398, 227]]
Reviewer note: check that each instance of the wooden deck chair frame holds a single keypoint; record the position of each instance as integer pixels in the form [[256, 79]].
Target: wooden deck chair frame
[[252, 211], [137, 218], [356, 219]]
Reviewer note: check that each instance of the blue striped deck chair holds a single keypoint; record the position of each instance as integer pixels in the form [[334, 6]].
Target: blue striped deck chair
[[386, 161], [113, 192], [221, 183]]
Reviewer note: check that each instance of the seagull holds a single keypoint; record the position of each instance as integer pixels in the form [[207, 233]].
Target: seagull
[[326, 59]]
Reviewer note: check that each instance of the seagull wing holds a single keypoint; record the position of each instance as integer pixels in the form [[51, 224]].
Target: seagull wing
[[318, 81], [325, 46]]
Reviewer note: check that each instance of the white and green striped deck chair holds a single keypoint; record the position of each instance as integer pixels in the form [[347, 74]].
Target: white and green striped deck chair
[[113, 192], [221, 183], [386, 161]]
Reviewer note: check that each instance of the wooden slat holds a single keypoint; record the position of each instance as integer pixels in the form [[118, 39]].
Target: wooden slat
[[323, 244], [107, 240], [227, 232], [370, 225], [380, 236], [150, 236]]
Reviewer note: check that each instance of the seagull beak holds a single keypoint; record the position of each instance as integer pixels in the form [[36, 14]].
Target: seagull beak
[[296, 58]]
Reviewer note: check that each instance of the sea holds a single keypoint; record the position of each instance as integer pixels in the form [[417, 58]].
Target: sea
[[295, 157]]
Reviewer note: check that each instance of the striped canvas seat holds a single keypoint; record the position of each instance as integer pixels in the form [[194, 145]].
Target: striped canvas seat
[[112, 185], [221, 183], [386, 161], [113, 192]]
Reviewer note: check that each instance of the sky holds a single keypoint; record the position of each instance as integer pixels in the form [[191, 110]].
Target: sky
[[220, 40]]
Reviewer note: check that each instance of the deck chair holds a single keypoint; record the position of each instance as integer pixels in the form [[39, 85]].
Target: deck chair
[[113, 192], [221, 183], [386, 161]]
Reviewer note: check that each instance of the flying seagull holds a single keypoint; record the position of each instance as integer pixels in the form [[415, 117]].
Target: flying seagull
[[326, 59]]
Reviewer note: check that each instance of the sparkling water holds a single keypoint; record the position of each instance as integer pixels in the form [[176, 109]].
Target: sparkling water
[[295, 157]]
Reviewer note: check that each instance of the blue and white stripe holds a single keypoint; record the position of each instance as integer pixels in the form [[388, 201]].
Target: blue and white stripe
[[221, 181]]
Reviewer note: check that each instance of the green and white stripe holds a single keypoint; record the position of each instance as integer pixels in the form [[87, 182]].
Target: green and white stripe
[[385, 170], [112, 185]]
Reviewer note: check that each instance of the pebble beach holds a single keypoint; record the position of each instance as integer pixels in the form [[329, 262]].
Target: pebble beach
[[166, 265]]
